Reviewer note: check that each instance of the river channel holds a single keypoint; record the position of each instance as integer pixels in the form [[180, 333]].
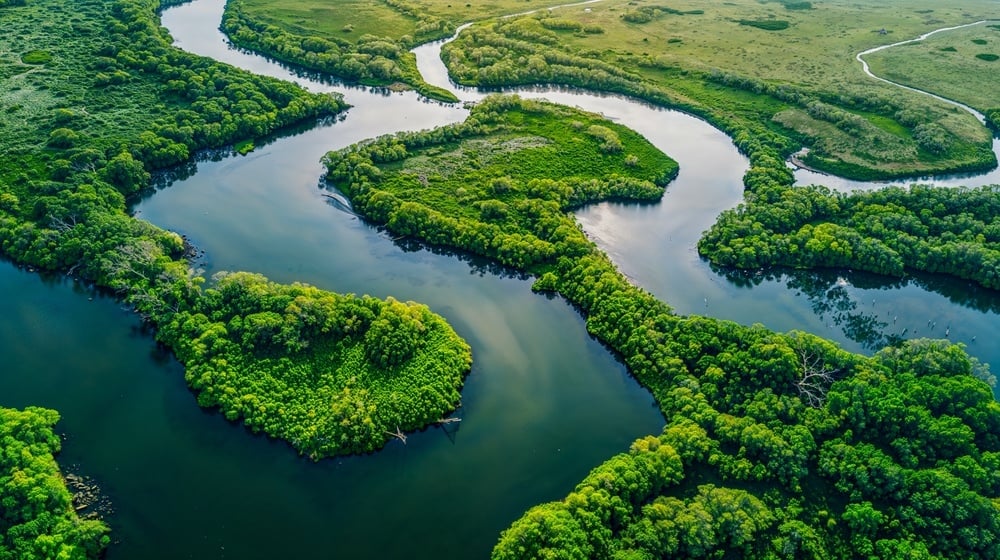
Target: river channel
[[543, 405]]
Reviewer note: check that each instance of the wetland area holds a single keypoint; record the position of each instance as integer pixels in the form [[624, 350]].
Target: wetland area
[[545, 401]]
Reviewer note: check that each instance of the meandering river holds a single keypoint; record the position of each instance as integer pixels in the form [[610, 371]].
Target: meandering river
[[542, 406]]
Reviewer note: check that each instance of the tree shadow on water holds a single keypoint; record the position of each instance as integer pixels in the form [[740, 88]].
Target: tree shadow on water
[[832, 294]]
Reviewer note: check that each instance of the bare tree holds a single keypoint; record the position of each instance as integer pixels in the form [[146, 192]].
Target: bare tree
[[816, 376], [398, 434]]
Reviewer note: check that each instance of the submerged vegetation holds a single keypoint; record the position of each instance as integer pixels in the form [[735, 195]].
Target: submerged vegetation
[[778, 445], [37, 517]]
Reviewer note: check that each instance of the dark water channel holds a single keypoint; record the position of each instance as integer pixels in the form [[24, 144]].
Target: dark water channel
[[542, 406]]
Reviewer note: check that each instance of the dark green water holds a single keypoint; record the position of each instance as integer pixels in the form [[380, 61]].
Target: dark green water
[[542, 406]]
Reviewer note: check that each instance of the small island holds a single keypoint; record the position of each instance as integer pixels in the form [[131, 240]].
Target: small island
[[331, 374]]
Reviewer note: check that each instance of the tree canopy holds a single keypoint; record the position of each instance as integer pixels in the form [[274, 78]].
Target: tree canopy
[[37, 517], [953, 231]]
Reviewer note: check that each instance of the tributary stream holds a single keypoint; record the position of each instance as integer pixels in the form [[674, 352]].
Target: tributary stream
[[543, 405]]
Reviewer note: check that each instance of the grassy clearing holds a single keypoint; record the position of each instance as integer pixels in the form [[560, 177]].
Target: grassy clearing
[[817, 49], [500, 184], [947, 64]]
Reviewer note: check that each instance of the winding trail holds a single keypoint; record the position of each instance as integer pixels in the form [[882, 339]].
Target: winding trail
[[864, 66]]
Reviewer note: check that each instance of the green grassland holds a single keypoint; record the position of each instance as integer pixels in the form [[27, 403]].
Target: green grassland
[[776, 445], [396, 20], [800, 82], [817, 49], [360, 41], [946, 64]]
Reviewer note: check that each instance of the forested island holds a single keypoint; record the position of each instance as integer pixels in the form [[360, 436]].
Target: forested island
[[776, 445]]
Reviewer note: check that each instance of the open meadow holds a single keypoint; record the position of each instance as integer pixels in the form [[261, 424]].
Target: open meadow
[[961, 64], [395, 20], [785, 66]]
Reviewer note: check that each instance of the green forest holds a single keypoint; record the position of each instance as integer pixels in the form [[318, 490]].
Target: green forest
[[888, 231], [884, 459], [777, 445]]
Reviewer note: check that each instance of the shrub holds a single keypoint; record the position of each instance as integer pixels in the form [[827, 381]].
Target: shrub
[[765, 24], [63, 138], [36, 57]]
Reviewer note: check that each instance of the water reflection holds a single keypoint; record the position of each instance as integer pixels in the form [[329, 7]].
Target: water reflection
[[864, 306]]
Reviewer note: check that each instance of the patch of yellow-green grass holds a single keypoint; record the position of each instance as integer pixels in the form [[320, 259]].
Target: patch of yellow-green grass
[[344, 19], [879, 147], [681, 45], [946, 64], [816, 51], [818, 46], [396, 20]]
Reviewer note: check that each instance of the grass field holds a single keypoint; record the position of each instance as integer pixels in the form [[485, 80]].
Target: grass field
[[817, 49], [394, 19], [807, 55], [946, 64], [804, 46]]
